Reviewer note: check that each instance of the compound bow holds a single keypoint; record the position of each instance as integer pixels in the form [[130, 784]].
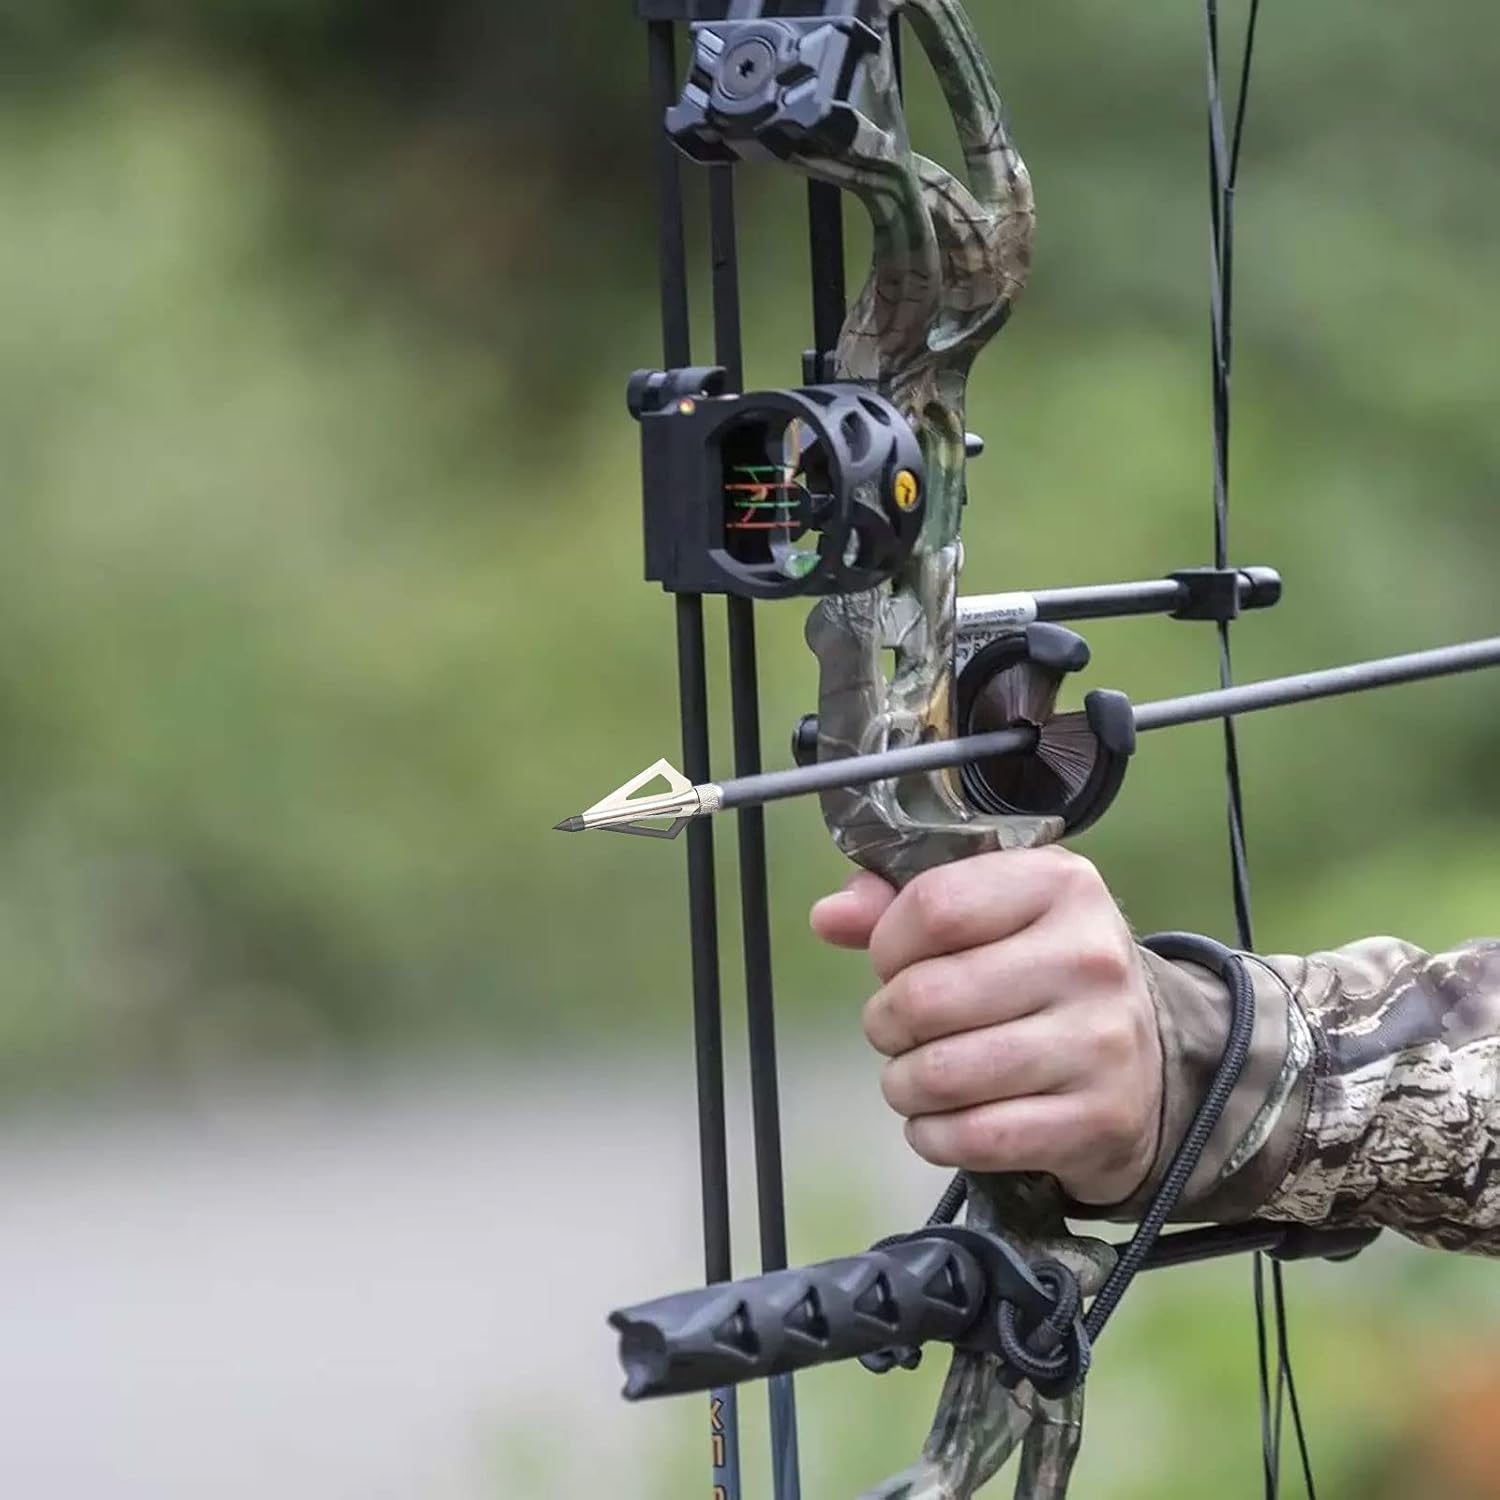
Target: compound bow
[[936, 735]]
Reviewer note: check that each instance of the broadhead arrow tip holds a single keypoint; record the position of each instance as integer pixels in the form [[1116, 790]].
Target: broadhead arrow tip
[[575, 824]]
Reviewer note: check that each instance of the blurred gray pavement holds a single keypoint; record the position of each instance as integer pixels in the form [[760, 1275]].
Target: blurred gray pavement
[[358, 1291]]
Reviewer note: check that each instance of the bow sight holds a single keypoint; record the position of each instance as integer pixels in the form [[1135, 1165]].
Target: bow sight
[[817, 490]]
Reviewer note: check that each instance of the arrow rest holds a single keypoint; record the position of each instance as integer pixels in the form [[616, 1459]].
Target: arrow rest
[[1010, 679], [1079, 762]]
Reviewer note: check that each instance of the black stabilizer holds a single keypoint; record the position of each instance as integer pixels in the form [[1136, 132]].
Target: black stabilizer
[[945, 1283], [905, 1293]]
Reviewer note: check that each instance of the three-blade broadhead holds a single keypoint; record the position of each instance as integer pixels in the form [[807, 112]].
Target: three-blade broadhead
[[656, 815]]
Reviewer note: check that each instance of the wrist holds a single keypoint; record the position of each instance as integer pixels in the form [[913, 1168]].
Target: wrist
[[1254, 1140]]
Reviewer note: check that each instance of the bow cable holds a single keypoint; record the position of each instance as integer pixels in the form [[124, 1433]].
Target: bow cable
[[692, 675], [1223, 168], [754, 881]]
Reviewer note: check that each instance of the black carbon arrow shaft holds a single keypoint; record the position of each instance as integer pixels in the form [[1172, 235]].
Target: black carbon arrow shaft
[[1330, 682], [797, 781]]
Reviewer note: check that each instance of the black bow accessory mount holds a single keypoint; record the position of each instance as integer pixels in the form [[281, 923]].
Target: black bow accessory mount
[[772, 87]]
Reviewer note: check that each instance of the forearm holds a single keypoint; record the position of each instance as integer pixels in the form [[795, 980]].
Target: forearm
[[1371, 1096]]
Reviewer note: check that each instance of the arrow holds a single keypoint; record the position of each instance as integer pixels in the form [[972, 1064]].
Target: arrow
[[623, 811]]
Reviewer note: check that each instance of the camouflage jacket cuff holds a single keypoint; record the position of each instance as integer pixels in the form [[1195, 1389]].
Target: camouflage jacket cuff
[[1403, 1111], [1260, 1131], [1371, 1096]]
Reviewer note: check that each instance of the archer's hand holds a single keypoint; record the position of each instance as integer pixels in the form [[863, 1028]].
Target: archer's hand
[[1015, 1016]]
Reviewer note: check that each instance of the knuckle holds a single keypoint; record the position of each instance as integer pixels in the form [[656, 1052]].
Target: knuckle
[[929, 1138], [1106, 956], [891, 1085], [929, 1073], [882, 1023], [926, 998], [937, 1069], [882, 954], [1113, 1127], [890, 1012], [1114, 1041], [1065, 870], [935, 902], [1082, 881], [980, 1142], [1072, 882], [897, 1001]]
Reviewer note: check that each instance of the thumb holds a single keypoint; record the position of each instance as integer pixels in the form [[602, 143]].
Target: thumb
[[848, 917]]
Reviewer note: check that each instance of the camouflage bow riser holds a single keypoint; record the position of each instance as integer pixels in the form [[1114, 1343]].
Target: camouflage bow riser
[[950, 258]]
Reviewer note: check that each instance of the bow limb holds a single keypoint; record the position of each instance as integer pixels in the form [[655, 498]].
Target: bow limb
[[980, 1421]]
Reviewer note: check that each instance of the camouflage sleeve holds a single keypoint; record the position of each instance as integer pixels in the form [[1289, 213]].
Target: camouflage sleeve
[[1371, 1097]]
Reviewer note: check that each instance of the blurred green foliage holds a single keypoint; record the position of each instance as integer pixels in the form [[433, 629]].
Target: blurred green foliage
[[320, 550]]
